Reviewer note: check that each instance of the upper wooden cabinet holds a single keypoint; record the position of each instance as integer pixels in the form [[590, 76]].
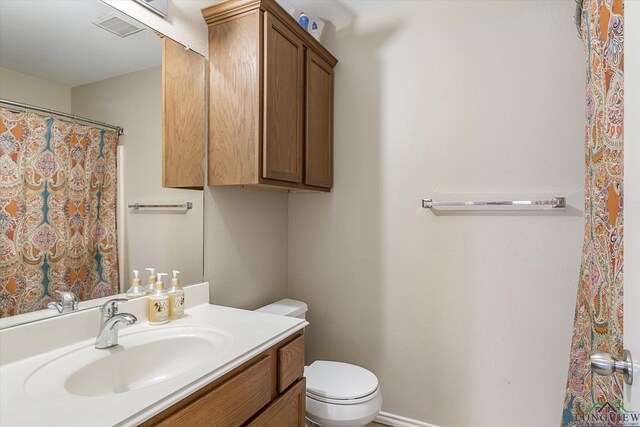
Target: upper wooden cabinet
[[183, 116], [270, 99]]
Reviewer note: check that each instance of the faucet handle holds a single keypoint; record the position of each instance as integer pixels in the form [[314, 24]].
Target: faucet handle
[[110, 308], [68, 302]]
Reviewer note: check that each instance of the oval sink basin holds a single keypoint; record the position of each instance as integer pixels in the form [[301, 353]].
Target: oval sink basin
[[142, 359]]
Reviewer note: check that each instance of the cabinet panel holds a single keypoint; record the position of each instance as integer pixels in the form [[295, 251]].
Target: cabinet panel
[[230, 404], [234, 100], [283, 102], [183, 116], [288, 410], [319, 122]]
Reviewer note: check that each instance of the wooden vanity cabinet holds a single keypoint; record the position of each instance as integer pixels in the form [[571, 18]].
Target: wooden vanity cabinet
[[268, 390], [287, 410], [270, 99]]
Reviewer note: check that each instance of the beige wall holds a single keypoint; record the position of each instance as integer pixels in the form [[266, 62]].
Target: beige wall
[[245, 246], [20, 87], [164, 240], [466, 319]]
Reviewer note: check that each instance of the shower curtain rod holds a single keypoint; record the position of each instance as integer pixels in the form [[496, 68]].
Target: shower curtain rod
[[61, 114]]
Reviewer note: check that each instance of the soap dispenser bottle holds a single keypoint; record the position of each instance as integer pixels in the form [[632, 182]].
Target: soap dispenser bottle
[[176, 297], [151, 282], [136, 290], [159, 303]]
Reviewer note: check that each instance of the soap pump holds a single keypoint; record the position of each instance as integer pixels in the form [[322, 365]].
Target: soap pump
[[151, 282], [176, 297], [158, 303], [136, 290]]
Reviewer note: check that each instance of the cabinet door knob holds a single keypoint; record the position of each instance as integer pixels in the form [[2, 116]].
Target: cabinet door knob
[[602, 363]]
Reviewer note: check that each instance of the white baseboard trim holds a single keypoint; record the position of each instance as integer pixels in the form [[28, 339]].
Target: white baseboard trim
[[398, 421]]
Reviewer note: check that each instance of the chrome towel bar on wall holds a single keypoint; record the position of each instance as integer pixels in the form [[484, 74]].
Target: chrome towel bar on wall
[[137, 206], [554, 203]]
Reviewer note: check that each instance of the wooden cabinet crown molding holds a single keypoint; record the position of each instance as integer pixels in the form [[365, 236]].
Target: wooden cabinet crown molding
[[231, 8]]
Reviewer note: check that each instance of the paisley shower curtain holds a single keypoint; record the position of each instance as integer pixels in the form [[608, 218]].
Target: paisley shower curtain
[[58, 185], [598, 325]]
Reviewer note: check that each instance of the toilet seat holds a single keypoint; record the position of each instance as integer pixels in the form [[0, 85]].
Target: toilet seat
[[340, 383], [317, 398]]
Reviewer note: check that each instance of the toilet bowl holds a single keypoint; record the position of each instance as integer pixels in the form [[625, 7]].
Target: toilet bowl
[[338, 394]]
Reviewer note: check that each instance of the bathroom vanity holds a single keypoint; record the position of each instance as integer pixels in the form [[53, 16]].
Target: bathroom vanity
[[268, 388], [217, 366]]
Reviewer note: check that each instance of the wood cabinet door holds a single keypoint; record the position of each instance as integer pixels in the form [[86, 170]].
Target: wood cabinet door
[[234, 100], [283, 125], [183, 116], [231, 404], [290, 363], [319, 122], [288, 410]]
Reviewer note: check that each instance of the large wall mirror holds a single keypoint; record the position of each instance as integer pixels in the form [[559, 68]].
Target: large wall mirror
[[71, 74]]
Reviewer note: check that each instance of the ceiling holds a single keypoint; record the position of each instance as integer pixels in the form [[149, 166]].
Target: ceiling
[[334, 10], [67, 47]]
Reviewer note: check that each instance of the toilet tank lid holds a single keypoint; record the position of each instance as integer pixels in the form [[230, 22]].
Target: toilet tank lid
[[285, 307]]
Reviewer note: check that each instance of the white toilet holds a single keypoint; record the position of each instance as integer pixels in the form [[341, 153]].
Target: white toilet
[[338, 394]]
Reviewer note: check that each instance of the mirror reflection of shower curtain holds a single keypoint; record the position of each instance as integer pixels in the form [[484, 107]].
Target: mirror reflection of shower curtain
[[58, 198]]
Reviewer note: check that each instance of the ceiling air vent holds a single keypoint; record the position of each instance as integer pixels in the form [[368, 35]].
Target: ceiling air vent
[[117, 24]]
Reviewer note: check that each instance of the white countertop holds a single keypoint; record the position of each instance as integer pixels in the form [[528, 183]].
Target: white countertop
[[251, 333]]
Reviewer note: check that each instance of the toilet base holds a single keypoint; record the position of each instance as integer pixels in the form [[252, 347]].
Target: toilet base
[[347, 415], [308, 423]]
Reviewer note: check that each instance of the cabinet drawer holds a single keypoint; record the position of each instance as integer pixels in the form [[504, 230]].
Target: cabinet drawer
[[290, 363], [288, 410], [230, 404]]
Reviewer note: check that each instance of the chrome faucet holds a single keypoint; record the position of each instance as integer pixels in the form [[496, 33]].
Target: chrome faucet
[[110, 322], [68, 302]]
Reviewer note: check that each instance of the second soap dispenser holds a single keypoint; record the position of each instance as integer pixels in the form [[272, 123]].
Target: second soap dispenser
[[176, 297], [151, 282], [136, 290], [159, 303]]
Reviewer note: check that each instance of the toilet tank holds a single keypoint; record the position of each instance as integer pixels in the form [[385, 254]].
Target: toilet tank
[[286, 307]]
